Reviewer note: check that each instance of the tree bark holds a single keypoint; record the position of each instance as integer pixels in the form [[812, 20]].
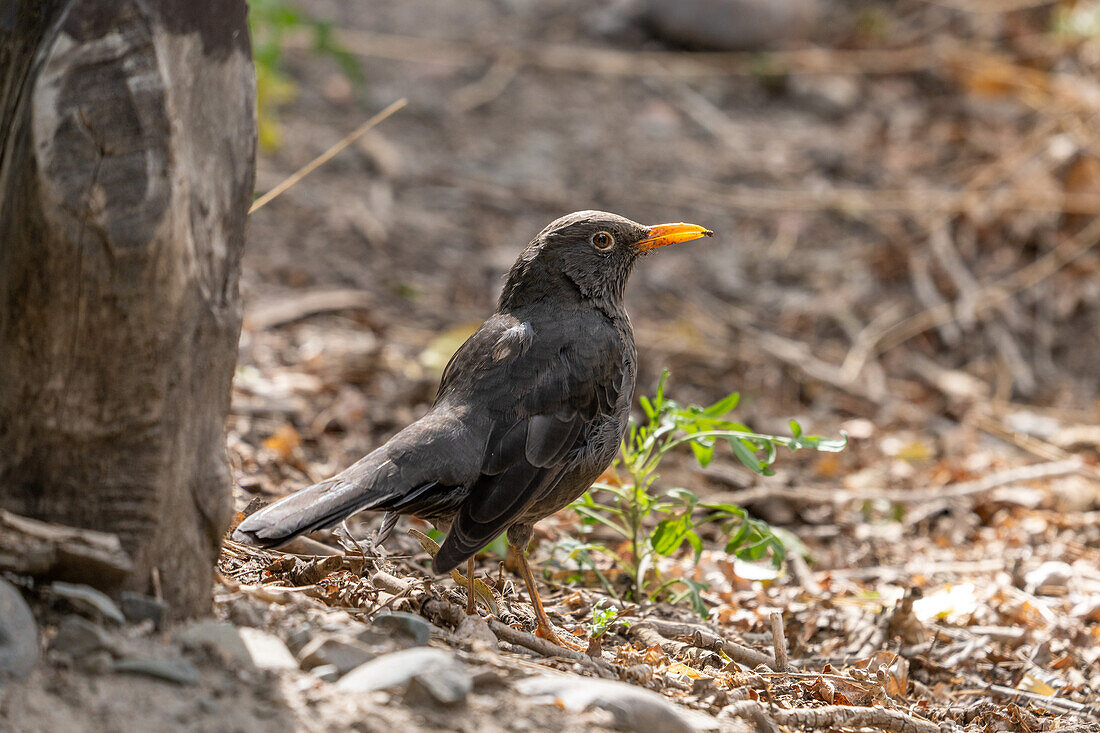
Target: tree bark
[[127, 156]]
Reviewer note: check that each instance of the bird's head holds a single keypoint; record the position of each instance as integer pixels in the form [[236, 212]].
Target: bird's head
[[587, 254]]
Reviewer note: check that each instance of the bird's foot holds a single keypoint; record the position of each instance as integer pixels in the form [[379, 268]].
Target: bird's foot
[[545, 631]]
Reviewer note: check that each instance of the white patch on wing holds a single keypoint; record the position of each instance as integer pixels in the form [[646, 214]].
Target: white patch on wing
[[513, 342]]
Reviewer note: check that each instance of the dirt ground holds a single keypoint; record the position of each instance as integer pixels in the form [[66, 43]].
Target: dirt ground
[[904, 251]]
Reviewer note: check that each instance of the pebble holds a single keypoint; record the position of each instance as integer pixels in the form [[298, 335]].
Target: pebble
[[343, 653], [88, 600], [18, 634], [77, 636], [731, 25], [326, 672], [476, 632], [633, 708], [172, 670], [391, 670], [137, 608], [250, 647], [267, 651], [445, 685], [404, 625]]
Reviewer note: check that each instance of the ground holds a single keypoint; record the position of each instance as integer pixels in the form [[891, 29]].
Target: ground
[[903, 252]]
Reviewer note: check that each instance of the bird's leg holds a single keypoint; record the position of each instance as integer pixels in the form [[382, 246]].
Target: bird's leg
[[471, 599], [544, 629]]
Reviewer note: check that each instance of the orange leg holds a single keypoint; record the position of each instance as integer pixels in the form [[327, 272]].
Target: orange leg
[[471, 599], [545, 630]]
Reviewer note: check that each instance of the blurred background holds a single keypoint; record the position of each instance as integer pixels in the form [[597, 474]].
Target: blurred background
[[904, 197]]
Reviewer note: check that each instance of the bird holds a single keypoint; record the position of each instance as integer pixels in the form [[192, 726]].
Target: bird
[[530, 410]]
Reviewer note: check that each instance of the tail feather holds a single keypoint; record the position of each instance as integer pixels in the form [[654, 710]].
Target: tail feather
[[422, 470]]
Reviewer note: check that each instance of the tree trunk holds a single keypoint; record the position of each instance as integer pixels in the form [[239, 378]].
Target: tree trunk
[[127, 141]]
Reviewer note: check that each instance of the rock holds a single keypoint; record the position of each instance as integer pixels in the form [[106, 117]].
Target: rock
[[219, 637], [731, 25], [267, 651], [443, 685], [137, 608], [633, 708], [99, 662], [18, 634], [88, 600], [474, 631], [77, 636], [343, 653], [402, 625], [326, 672], [299, 637], [1050, 578], [247, 612], [173, 670], [250, 647], [391, 670]]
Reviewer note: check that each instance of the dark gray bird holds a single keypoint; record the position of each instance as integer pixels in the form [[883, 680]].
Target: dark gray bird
[[530, 410]]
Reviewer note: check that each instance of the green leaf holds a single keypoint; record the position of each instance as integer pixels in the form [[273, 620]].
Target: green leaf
[[704, 453], [669, 534], [746, 456], [595, 516], [796, 429], [683, 495], [723, 406], [696, 544]]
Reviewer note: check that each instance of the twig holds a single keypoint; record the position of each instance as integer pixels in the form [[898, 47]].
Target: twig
[[647, 634], [326, 156], [602, 61], [992, 294], [779, 642], [453, 614], [831, 717], [291, 308], [737, 652]]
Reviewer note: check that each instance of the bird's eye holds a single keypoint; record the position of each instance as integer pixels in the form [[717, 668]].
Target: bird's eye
[[603, 241]]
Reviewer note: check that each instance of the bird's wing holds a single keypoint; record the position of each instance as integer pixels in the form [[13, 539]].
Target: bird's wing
[[539, 396]]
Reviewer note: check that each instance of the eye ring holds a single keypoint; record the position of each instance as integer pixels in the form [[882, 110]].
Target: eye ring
[[603, 241]]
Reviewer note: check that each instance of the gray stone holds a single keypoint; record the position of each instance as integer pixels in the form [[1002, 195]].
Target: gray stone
[[78, 636], [341, 652], [391, 670], [326, 672], [474, 631], [98, 662], [299, 637], [444, 685], [219, 637], [137, 608], [88, 600], [731, 25], [405, 626], [633, 708], [250, 647], [18, 634], [172, 670], [267, 651]]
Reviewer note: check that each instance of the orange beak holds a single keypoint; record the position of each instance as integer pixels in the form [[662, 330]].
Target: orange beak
[[663, 234]]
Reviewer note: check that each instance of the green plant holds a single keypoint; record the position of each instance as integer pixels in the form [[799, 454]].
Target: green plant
[[628, 509], [604, 616], [272, 23]]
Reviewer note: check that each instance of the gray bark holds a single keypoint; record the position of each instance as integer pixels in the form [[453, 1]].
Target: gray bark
[[127, 142]]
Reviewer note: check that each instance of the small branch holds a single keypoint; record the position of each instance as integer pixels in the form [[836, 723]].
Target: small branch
[[830, 717], [326, 156], [453, 614], [779, 641]]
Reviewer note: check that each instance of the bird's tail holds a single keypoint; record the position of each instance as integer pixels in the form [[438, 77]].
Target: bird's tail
[[371, 483]]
